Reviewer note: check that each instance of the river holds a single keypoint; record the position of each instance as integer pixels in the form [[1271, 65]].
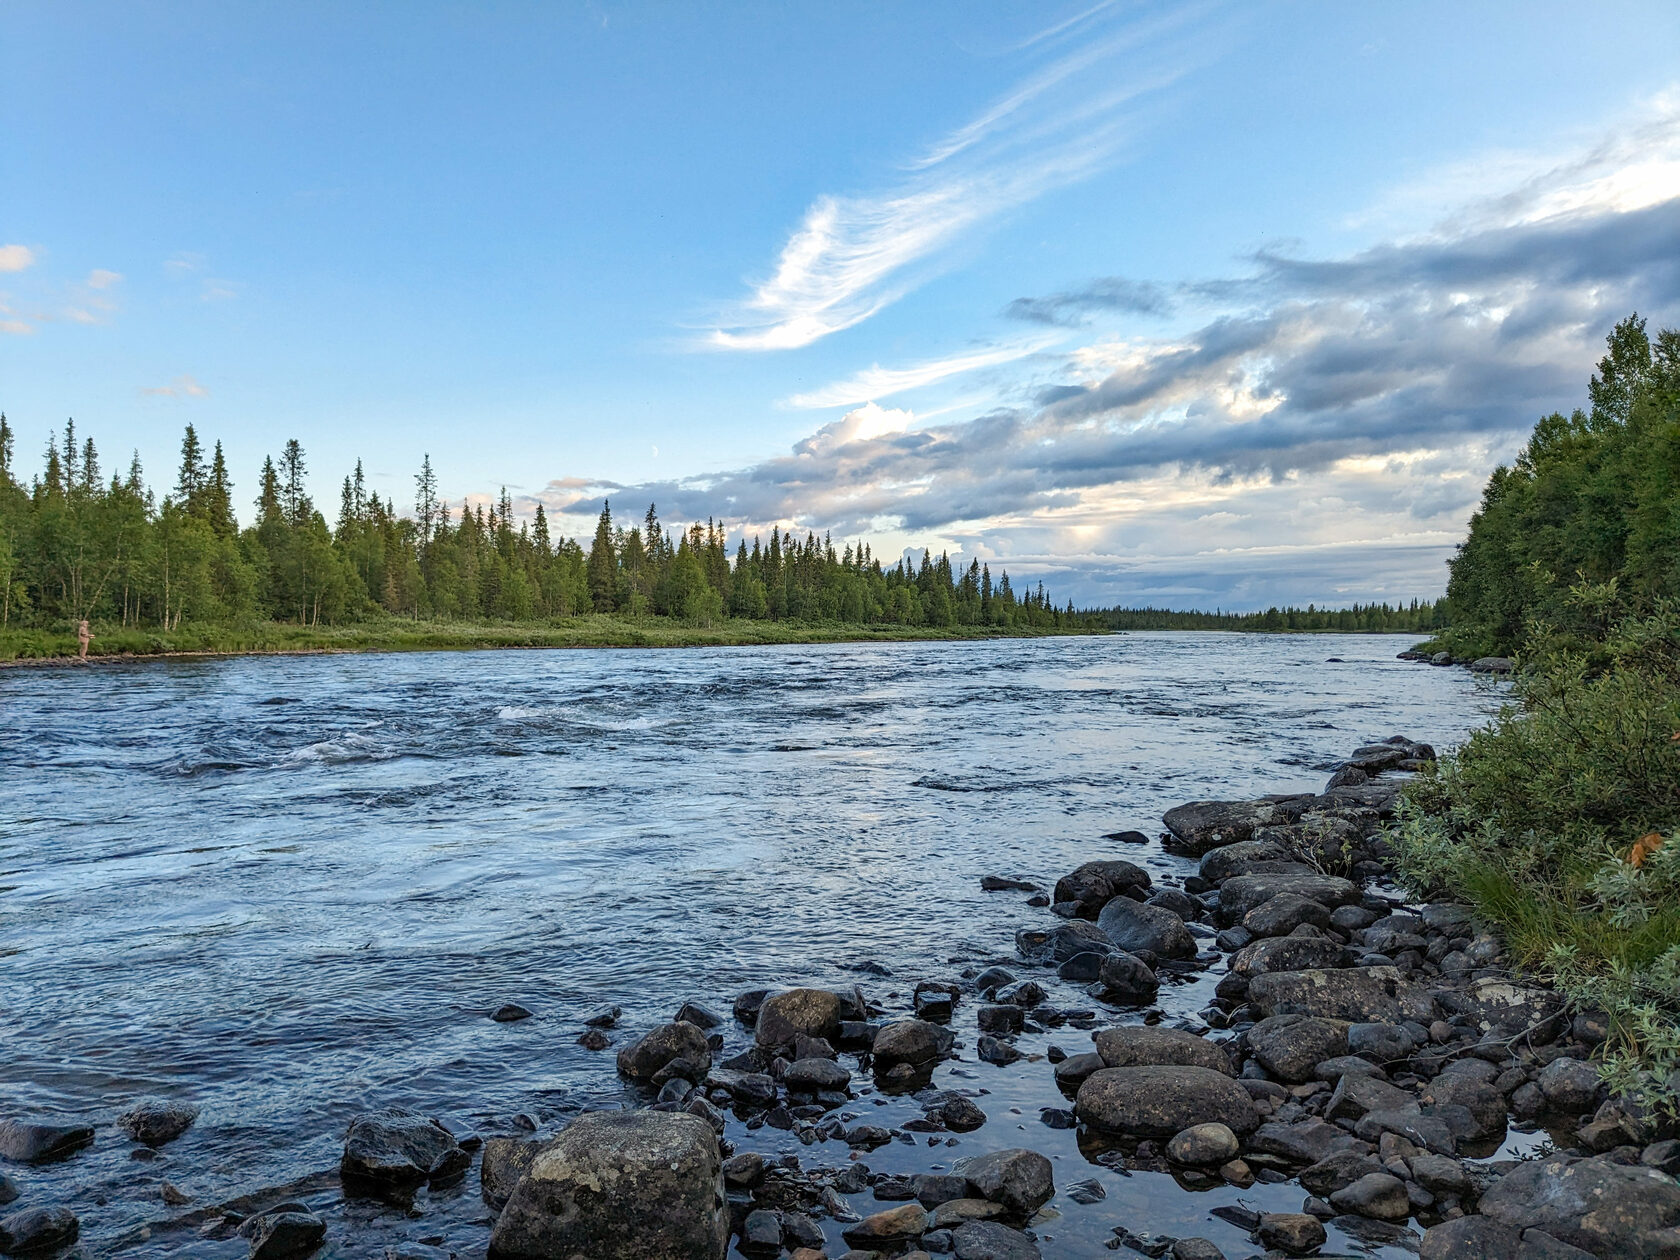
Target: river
[[290, 888]]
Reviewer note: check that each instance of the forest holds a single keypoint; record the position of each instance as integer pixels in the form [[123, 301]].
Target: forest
[[76, 544], [1418, 617]]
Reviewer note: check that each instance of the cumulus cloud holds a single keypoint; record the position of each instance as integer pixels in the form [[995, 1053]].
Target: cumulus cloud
[[183, 386], [853, 255], [16, 257]]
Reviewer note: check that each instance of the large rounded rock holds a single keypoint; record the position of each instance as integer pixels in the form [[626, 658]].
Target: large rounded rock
[[156, 1123], [1570, 1084], [1242, 893], [283, 1234], [37, 1230], [1020, 1180], [625, 1185], [1471, 1238], [1294, 1233], [644, 1059], [1250, 857], [1132, 926], [811, 1012], [1291, 1046], [1286, 953], [1484, 1103], [505, 1161], [1137, 1045], [1379, 1195], [912, 1041], [1605, 1208], [1062, 942], [1282, 914], [1200, 826], [1163, 1101], [1093, 885], [1203, 1144], [1127, 979], [988, 1240], [814, 1074], [25, 1142], [1356, 994], [397, 1147]]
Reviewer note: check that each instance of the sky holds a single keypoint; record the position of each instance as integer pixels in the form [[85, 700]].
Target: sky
[[1202, 305]]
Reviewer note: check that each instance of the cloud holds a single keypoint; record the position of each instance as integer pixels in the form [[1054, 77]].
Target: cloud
[[853, 255], [1106, 293], [183, 386], [16, 257], [99, 279], [878, 382]]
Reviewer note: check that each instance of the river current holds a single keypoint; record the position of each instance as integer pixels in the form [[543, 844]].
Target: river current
[[287, 889]]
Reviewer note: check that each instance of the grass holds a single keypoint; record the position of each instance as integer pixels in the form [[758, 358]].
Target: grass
[[395, 635]]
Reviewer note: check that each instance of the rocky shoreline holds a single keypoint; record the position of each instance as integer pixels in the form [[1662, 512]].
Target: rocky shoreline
[[1371, 1058]]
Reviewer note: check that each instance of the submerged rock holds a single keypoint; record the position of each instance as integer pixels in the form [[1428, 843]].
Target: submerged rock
[[628, 1185], [26, 1142], [156, 1123], [278, 1235], [397, 1147], [37, 1229]]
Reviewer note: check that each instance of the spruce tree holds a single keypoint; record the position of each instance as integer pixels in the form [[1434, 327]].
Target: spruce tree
[[189, 485], [603, 564]]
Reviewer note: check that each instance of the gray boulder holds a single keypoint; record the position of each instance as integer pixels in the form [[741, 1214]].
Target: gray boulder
[[1482, 1103], [1605, 1208], [278, 1235], [1162, 1101], [1247, 858], [1126, 978], [1019, 1180], [627, 1185], [397, 1147], [37, 1230], [1291, 1046], [1061, 943], [1471, 1238], [1355, 994], [1379, 1195], [784, 1016], [1282, 914], [1133, 926], [1203, 1144], [505, 1161], [156, 1123], [988, 1240], [1093, 885], [25, 1142], [1570, 1084], [910, 1041], [1242, 893], [1202, 825], [1286, 953], [1137, 1045], [645, 1058]]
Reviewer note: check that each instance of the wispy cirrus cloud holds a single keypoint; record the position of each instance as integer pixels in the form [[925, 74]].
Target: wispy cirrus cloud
[[877, 382], [853, 255], [183, 386]]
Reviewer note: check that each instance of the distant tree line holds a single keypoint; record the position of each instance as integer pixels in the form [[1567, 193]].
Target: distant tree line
[[1419, 617], [77, 544]]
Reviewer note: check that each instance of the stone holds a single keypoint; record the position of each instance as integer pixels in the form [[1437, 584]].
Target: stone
[[1196, 1249], [1379, 1195], [594, 1039], [746, 1006], [746, 1089], [1133, 926], [988, 1240], [1492, 665], [813, 1012], [910, 1041], [25, 1142], [1127, 979], [1381, 1043], [1249, 857], [1294, 1233], [991, 1050], [1071, 1071], [626, 1185], [1569, 1084], [505, 1161], [1441, 1174], [1137, 1045], [1606, 1208], [1357, 995], [1483, 1104], [1002, 1019], [1159, 1101], [397, 1147], [1082, 968], [932, 1189], [1020, 1180], [510, 1013], [1471, 1238], [1004, 883], [1203, 1144], [891, 1228], [1062, 942], [814, 1075], [745, 1170], [37, 1229], [959, 1211], [1092, 886], [1291, 1046], [1242, 893], [1354, 1096], [1308, 1141], [1199, 826], [699, 1016], [1286, 953], [1281, 914], [1179, 902], [157, 1123], [647, 1057], [280, 1234], [1336, 1170], [960, 1114]]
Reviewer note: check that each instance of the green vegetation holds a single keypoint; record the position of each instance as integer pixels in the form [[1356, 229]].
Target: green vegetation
[[1418, 618], [1560, 823]]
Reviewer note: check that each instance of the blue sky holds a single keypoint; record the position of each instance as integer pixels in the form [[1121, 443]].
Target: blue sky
[[1201, 305]]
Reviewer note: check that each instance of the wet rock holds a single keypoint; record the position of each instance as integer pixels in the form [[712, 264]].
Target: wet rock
[[1471, 1238], [633, 1185], [644, 1059], [1336, 1170], [1002, 883], [910, 1041], [934, 1006], [1308, 1141], [813, 1012], [992, 1050], [1133, 926], [1200, 826], [1358, 995], [505, 1161], [960, 1114], [1126, 979], [1291, 1046], [8, 1190], [988, 1240], [1161, 1101], [1142, 1046], [37, 1229], [993, 978], [1250, 857], [1378, 1195], [748, 1089], [156, 1123], [1483, 1104], [1286, 953], [1430, 1132], [26, 1142], [1294, 1233], [1599, 1206], [604, 1019], [1492, 665], [1196, 1249], [1073, 1070], [1179, 902], [1203, 1144], [1440, 1174], [932, 1189], [1082, 968], [594, 1039], [699, 1016], [1062, 942], [281, 1234], [1093, 885], [1282, 914], [1570, 1084], [510, 1013], [1242, 893], [1381, 1043], [812, 1075], [173, 1196], [891, 1228], [397, 1147], [746, 1006], [1020, 1180], [1356, 1096], [999, 1019]]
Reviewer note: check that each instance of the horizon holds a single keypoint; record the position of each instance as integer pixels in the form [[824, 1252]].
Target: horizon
[[1160, 309]]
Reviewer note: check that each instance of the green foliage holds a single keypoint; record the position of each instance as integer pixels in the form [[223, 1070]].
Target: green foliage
[[1420, 617]]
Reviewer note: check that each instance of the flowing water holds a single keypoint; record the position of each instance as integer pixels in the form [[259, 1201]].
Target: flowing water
[[287, 889]]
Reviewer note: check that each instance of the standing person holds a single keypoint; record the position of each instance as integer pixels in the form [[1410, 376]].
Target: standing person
[[84, 636]]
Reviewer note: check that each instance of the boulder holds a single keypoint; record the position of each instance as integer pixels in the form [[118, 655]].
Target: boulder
[[912, 1041], [1134, 926], [1202, 825], [156, 1123], [1606, 1208], [988, 1240], [1293, 1233], [1492, 665], [1092, 886], [1355, 994], [1282, 914], [813, 1075], [1379, 1195], [1242, 893], [1338, 1169], [1161, 1101], [784, 1016], [397, 1147], [1308, 1141], [1570, 1084], [891, 1228], [505, 1161], [1060, 943], [1483, 1103], [657, 1050], [25, 1142], [1137, 1045], [1472, 1238], [1356, 1096], [1127, 979], [1249, 857], [1291, 1046], [277, 1235], [37, 1229], [1202, 1145], [1020, 1181], [1072, 1071], [1286, 953], [626, 1185], [1381, 1043]]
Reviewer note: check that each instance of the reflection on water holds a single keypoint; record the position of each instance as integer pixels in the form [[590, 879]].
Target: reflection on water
[[291, 888]]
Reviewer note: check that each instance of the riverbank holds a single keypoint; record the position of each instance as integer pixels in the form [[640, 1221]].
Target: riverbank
[[22, 647], [1358, 1072]]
